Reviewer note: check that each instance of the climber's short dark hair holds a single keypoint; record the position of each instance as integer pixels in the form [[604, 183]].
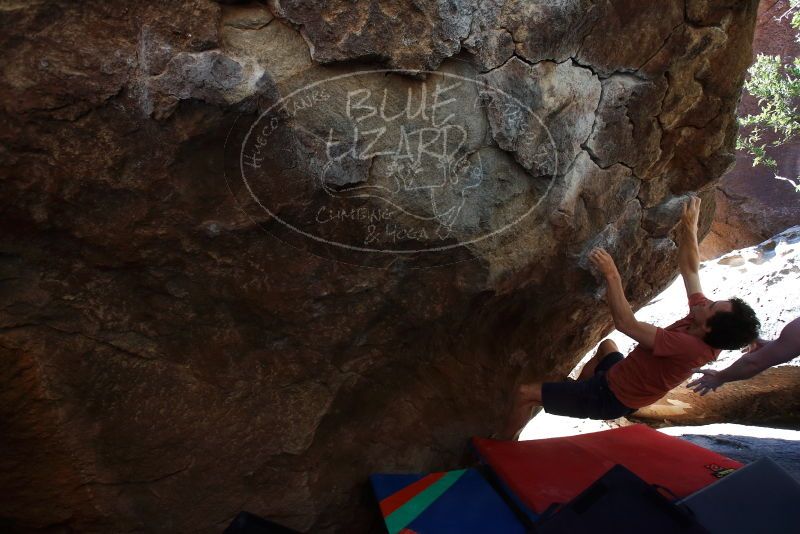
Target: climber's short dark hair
[[734, 329]]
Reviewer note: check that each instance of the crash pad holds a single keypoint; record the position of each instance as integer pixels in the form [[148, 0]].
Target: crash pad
[[456, 502], [622, 503], [759, 498], [543, 472]]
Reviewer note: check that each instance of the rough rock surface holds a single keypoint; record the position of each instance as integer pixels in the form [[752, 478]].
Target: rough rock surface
[[751, 204], [166, 362]]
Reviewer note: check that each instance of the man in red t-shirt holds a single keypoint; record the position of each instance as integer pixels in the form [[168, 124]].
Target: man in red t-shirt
[[612, 386]]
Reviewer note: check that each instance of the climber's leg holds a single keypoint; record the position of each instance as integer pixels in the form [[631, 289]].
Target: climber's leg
[[526, 398], [603, 349]]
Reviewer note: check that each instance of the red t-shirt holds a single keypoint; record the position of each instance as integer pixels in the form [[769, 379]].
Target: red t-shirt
[[647, 375]]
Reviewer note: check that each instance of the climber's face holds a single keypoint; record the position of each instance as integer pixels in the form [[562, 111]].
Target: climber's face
[[703, 312]]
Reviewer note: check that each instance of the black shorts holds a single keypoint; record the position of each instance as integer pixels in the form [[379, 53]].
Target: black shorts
[[587, 399]]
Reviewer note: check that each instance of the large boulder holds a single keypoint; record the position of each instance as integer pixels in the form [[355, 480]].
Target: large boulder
[[245, 264]]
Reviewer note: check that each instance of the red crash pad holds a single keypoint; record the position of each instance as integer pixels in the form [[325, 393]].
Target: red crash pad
[[542, 472]]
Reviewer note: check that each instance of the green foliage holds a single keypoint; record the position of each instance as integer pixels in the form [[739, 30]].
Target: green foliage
[[776, 86]]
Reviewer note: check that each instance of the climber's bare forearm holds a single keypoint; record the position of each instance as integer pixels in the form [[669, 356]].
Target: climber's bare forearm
[[688, 249], [624, 319]]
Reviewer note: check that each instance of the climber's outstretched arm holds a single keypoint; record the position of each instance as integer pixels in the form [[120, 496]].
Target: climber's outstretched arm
[[624, 320], [762, 355], [688, 250]]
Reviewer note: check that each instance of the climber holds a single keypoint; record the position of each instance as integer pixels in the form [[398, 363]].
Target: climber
[[761, 355], [612, 386]]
